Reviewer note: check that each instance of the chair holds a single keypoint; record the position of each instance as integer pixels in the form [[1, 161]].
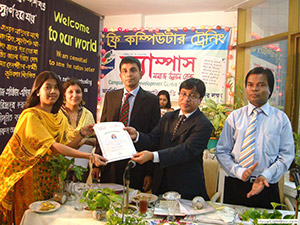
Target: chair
[[211, 171]]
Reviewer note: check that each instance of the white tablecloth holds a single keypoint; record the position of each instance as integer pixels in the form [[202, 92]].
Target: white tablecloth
[[65, 215]]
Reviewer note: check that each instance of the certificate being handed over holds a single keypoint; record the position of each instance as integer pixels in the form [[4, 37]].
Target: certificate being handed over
[[115, 142]]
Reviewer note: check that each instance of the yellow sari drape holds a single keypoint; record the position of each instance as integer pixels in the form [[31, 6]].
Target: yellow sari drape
[[24, 178]]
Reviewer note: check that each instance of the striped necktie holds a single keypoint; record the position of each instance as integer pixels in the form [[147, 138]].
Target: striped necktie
[[247, 152], [125, 110], [179, 122]]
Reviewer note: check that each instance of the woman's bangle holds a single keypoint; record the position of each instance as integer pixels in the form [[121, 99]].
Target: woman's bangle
[[92, 157], [81, 134]]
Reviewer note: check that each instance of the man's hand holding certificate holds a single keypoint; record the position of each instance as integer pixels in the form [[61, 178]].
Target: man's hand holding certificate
[[114, 141]]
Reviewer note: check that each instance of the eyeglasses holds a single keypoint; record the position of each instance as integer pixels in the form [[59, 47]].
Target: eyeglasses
[[190, 97]]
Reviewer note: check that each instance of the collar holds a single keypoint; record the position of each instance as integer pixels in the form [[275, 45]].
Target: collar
[[133, 93], [265, 109], [188, 114]]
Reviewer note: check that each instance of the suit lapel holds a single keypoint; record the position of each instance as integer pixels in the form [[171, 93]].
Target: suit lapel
[[187, 124], [174, 120], [117, 107], [138, 104]]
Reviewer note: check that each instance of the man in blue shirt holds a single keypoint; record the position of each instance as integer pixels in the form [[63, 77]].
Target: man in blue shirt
[[255, 167]]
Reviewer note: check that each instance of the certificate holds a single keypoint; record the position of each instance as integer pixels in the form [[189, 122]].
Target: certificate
[[115, 142]]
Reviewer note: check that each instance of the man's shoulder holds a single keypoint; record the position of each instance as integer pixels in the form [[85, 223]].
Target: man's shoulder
[[278, 114], [239, 111], [148, 94], [111, 92]]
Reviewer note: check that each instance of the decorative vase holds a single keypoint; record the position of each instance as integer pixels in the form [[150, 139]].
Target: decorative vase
[[212, 143], [99, 214], [60, 195]]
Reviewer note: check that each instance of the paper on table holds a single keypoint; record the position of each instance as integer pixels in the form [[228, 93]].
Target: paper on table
[[82, 162], [223, 216], [115, 142], [187, 208]]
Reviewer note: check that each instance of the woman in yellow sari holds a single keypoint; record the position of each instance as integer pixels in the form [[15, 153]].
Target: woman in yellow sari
[[77, 115], [41, 131]]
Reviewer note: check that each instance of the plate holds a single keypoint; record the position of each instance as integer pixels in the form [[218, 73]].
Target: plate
[[161, 209], [150, 197], [35, 206]]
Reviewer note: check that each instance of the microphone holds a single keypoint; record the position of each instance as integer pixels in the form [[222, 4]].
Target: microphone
[[131, 164], [295, 175]]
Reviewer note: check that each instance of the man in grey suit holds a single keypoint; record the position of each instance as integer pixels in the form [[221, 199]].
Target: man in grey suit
[[177, 143], [144, 114]]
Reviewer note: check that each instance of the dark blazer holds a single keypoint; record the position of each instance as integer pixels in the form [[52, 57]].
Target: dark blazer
[[144, 117], [181, 165]]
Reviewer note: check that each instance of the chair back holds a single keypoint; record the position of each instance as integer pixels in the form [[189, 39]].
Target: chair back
[[211, 170]]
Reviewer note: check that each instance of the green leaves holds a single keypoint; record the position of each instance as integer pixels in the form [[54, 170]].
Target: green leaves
[[297, 147], [255, 214], [129, 220], [100, 198], [61, 165], [217, 114]]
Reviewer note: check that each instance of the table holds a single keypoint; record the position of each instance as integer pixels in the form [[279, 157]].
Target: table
[[65, 215]]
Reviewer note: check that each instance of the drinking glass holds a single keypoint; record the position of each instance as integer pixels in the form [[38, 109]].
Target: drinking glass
[[70, 185], [79, 188], [142, 203], [172, 198]]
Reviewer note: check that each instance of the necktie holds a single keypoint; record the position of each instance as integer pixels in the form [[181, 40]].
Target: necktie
[[179, 122], [247, 152], [125, 110]]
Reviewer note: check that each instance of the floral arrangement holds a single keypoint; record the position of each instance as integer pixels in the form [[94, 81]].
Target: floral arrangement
[[164, 222], [217, 114]]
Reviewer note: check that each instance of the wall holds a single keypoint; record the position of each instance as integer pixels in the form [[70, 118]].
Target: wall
[[172, 20], [181, 20]]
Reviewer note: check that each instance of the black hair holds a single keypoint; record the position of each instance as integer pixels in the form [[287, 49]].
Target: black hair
[[132, 60], [165, 93], [71, 82], [265, 71], [194, 82], [33, 100]]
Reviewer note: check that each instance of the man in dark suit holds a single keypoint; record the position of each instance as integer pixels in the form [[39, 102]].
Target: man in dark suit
[[177, 147], [144, 114]]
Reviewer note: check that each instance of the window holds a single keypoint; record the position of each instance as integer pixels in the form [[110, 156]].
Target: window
[[268, 19], [274, 57]]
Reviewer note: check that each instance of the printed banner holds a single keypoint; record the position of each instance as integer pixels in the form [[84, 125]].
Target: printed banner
[[44, 35], [168, 58]]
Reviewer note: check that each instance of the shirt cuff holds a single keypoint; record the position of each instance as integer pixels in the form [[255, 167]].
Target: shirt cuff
[[155, 157], [137, 137], [267, 175], [240, 172]]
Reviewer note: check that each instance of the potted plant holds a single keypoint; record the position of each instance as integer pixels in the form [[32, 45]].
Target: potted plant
[[297, 153], [297, 148], [59, 166], [253, 215], [99, 201], [217, 114]]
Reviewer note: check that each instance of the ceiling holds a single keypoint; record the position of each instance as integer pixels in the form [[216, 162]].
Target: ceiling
[[154, 7]]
